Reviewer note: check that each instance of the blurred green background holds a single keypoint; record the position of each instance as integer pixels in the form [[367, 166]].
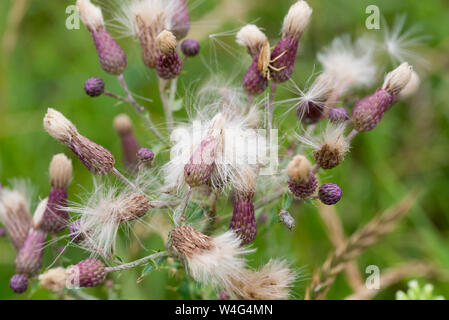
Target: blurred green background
[[43, 64]]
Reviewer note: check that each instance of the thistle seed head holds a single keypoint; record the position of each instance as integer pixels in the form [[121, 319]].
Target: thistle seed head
[[411, 87], [397, 79], [368, 111], [94, 87], [56, 217], [333, 147], [18, 283], [190, 47], [209, 260], [304, 189], [60, 171], [338, 115], [96, 158], [298, 170], [252, 38], [123, 124], [272, 282], [329, 193], [90, 14], [297, 19], [54, 279], [166, 42], [132, 207]]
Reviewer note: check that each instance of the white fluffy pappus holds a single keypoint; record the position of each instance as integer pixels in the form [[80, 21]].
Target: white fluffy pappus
[[297, 19], [242, 148], [316, 94], [400, 44], [217, 260], [271, 282], [351, 65], [397, 79], [333, 136], [90, 14], [411, 87], [252, 38], [133, 15], [106, 209]]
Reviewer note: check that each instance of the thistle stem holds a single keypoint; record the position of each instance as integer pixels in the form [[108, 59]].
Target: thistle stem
[[166, 103], [137, 263], [259, 204], [270, 105], [315, 168], [179, 212], [113, 95], [351, 135], [117, 173], [139, 109]]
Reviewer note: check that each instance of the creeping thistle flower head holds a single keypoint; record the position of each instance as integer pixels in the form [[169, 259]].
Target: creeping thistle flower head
[[96, 158], [350, 65], [252, 38], [297, 19], [146, 19], [209, 260], [272, 282], [112, 58], [15, 212], [124, 127], [282, 59], [310, 103], [397, 79], [101, 215], [179, 23], [90, 14], [168, 64], [330, 148]]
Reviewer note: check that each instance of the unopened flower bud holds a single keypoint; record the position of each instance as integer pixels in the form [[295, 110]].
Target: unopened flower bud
[[89, 272], [190, 47], [96, 158], [338, 115], [299, 168], [287, 219], [329, 193], [29, 258], [19, 283], [94, 87], [304, 189], [130, 146], [145, 155]]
